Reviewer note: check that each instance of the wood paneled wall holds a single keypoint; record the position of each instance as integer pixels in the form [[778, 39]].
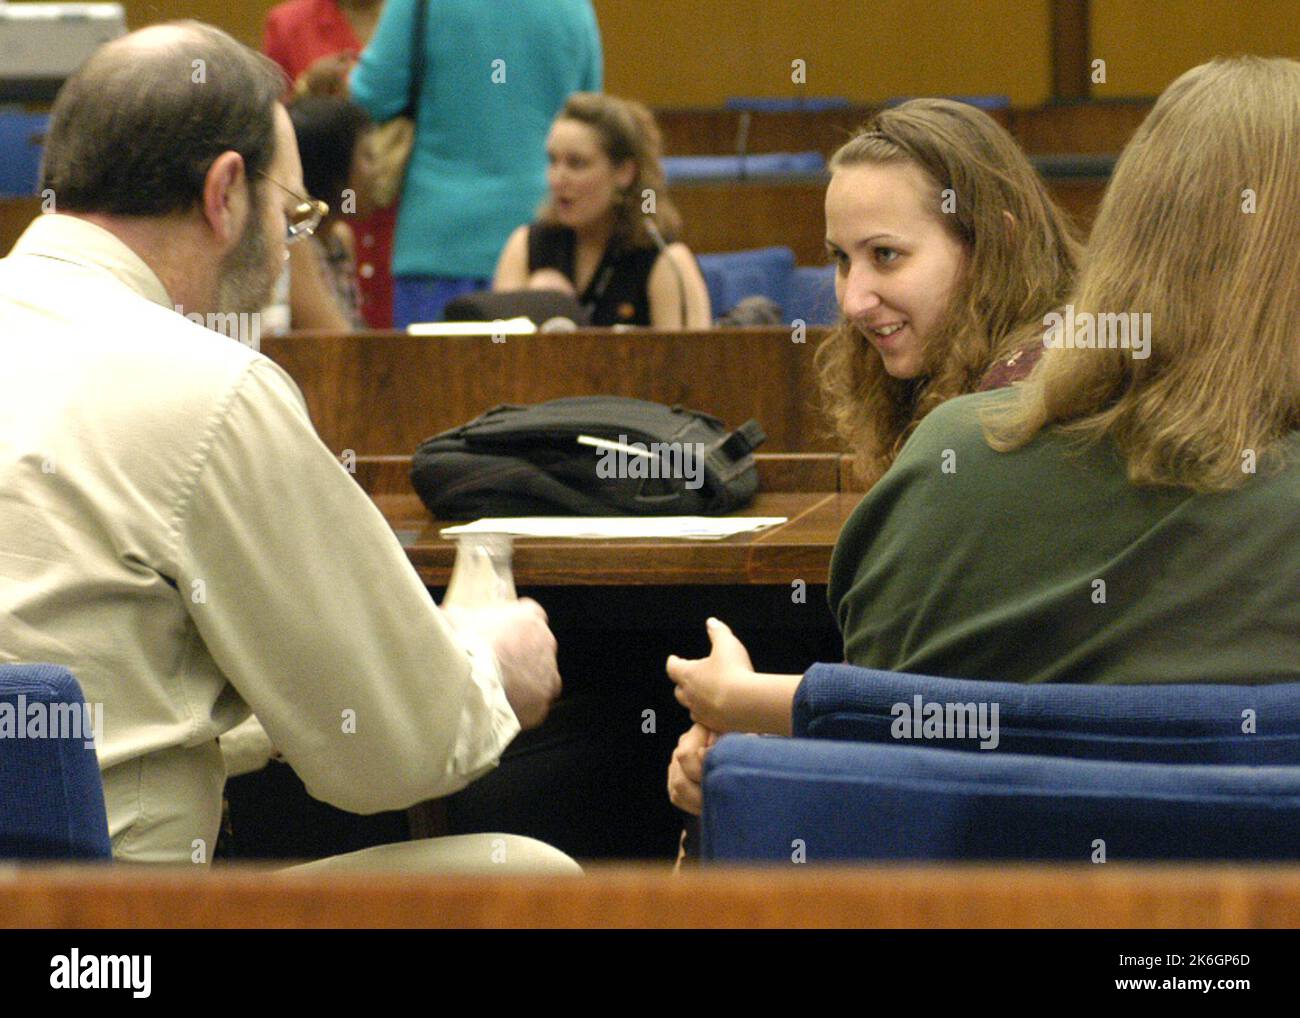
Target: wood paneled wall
[[384, 393]]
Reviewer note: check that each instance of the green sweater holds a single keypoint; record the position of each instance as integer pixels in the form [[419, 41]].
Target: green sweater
[[1046, 565]]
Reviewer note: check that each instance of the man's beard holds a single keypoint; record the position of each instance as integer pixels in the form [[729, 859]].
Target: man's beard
[[244, 286]]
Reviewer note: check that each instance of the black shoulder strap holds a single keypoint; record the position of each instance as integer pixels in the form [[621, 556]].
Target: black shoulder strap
[[744, 440], [417, 59]]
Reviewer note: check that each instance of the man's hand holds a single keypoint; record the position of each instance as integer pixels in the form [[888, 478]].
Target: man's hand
[[686, 772], [713, 688], [525, 649]]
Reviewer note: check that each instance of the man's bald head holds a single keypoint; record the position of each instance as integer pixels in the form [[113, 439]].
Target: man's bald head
[[135, 130]]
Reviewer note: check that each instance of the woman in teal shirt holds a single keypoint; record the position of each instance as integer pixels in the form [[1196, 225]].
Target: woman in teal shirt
[[495, 73]]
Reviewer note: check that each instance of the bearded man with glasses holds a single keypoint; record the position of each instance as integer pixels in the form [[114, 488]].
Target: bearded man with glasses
[[171, 527]]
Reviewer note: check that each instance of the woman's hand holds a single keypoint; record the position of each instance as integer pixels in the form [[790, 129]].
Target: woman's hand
[[686, 772], [714, 689], [551, 279]]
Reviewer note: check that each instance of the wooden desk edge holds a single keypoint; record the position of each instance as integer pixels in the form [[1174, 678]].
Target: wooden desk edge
[[907, 896]]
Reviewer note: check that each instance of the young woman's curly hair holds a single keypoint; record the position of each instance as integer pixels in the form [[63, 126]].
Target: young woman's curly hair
[[1021, 253]]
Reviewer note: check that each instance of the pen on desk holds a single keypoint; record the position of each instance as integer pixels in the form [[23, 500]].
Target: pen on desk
[[605, 443]]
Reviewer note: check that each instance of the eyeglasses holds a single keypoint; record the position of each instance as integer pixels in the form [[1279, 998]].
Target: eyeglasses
[[304, 217]]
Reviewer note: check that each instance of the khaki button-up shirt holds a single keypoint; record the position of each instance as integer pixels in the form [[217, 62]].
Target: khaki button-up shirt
[[173, 531]]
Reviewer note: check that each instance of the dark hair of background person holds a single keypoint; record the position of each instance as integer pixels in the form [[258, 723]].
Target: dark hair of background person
[[327, 128], [135, 130], [627, 130]]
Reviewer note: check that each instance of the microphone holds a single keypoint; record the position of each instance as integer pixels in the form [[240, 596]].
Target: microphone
[[559, 324], [653, 228], [742, 142]]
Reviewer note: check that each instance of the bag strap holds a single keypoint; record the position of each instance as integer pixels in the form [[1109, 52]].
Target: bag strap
[[417, 59], [744, 440]]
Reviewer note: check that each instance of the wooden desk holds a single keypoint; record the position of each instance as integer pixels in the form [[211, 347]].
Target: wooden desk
[[963, 896], [383, 393], [798, 549], [618, 608]]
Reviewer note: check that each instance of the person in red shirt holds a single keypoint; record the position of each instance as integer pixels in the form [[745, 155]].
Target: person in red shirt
[[316, 42]]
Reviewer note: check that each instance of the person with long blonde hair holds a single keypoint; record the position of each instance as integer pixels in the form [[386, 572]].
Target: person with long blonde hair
[[1130, 513]]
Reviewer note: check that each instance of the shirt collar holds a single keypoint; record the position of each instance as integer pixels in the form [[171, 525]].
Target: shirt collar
[[69, 239]]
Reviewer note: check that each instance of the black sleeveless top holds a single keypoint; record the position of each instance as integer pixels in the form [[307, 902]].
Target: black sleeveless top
[[618, 293]]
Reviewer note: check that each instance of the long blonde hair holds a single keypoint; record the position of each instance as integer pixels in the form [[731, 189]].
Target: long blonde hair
[[1200, 228], [627, 130], [1016, 271]]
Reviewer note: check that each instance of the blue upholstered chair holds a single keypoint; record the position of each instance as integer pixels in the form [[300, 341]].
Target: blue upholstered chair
[[988, 103], [679, 169], [788, 800], [1194, 724], [810, 296], [1154, 772], [21, 142], [51, 796], [802, 104], [732, 276]]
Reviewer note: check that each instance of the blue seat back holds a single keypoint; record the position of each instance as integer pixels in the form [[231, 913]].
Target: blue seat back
[[988, 103], [21, 143], [1216, 724], [732, 276], [811, 295], [767, 104], [51, 794], [791, 800], [736, 167]]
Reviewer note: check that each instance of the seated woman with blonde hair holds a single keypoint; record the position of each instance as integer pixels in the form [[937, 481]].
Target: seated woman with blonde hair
[[1128, 514], [606, 233]]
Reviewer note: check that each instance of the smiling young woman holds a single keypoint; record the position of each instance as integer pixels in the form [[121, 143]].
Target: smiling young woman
[[947, 247], [946, 244]]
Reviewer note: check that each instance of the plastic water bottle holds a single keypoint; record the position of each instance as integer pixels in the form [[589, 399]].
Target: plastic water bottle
[[482, 575]]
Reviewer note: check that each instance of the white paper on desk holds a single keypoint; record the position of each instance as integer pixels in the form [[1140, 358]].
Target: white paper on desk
[[519, 326], [694, 528]]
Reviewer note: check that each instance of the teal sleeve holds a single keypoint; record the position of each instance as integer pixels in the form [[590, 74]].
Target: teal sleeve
[[594, 77], [381, 82]]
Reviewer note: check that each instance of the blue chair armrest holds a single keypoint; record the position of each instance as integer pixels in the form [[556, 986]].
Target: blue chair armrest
[[1154, 723], [51, 793], [795, 800]]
